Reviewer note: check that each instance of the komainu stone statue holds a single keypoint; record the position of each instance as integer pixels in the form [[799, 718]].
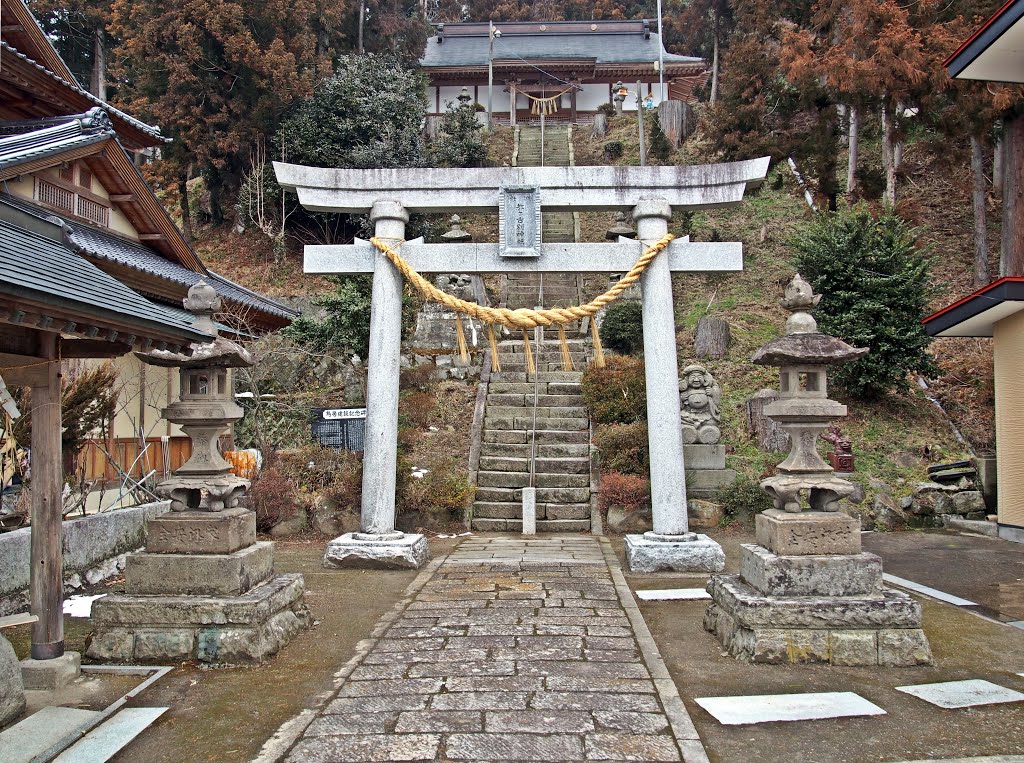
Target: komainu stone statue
[[699, 401]]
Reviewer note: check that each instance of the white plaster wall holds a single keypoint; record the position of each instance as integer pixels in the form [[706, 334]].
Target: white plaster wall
[[591, 97]]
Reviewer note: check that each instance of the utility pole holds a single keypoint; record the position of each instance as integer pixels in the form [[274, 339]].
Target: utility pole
[[362, 15], [640, 122], [661, 58], [491, 34]]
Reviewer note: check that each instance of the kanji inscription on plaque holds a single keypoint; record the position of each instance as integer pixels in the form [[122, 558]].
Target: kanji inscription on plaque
[[519, 227]]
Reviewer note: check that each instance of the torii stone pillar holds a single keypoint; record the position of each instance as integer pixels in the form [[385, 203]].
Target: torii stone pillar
[[519, 194]]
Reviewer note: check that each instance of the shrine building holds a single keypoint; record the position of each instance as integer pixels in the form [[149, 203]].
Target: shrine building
[[565, 68]]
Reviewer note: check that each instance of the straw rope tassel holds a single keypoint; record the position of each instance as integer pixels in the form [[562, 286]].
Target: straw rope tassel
[[495, 360], [566, 355], [460, 335], [598, 350], [528, 353]]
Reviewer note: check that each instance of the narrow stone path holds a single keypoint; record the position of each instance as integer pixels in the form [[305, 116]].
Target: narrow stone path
[[511, 649]]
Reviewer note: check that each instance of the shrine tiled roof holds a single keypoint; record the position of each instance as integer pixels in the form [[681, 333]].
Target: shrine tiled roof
[[603, 44], [35, 267]]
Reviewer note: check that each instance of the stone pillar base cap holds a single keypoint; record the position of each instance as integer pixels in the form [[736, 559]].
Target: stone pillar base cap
[[662, 538]]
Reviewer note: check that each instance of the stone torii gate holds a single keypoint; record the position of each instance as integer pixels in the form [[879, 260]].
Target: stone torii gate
[[520, 193]]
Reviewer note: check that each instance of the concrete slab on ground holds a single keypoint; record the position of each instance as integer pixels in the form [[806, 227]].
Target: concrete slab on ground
[[767, 708], [956, 694], [40, 731], [983, 570], [104, 741]]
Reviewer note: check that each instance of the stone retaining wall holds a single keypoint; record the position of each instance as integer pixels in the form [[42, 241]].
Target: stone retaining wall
[[94, 549]]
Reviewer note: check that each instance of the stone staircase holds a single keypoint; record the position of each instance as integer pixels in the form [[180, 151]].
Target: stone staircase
[[561, 466], [557, 446], [549, 289]]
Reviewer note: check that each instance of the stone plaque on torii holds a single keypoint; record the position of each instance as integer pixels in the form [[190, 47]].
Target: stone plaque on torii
[[650, 193]]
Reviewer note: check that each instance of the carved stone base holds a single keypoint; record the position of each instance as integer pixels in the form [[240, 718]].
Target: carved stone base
[[646, 553], [823, 490], [199, 574], [394, 551], [201, 532], [876, 629], [216, 630]]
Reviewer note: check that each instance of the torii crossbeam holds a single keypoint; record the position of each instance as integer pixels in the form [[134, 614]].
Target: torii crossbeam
[[519, 194]]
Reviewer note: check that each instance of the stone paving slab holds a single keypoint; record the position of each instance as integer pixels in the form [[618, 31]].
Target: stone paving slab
[[509, 650]]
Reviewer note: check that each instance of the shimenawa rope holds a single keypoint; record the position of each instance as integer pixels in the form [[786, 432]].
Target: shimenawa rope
[[523, 318]]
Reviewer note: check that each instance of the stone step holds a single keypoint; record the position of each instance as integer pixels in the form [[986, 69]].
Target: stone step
[[526, 423], [544, 436], [541, 412], [548, 345], [522, 479], [549, 465], [524, 450], [509, 398], [517, 358], [543, 525], [547, 376], [547, 495], [527, 388], [498, 510]]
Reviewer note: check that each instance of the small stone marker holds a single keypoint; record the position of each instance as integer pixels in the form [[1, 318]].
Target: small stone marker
[[955, 694], [529, 511]]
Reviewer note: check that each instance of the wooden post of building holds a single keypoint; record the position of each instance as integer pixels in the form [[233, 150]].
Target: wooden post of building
[[512, 104], [47, 586], [572, 101]]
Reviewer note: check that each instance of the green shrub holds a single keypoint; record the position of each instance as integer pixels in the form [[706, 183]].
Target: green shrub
[[661, 149], [607, 109], [623, 447], [743, 499], [874, 287], [616, 394], [613, 149], [625, 491], [272, 497], [459, 142], [445, 488], [622, 329]]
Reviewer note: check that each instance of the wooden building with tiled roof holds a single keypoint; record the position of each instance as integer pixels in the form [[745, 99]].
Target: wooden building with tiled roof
[[577, 62], [91, 267]]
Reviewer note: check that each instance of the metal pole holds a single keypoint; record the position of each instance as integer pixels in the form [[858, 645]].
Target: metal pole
[[541, 138], [490, 73], [640, 122], [661, 58]]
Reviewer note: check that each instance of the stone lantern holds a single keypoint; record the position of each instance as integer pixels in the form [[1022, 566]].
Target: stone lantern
[[204, 411], [204, 588], [803, 409], [806, 591]]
